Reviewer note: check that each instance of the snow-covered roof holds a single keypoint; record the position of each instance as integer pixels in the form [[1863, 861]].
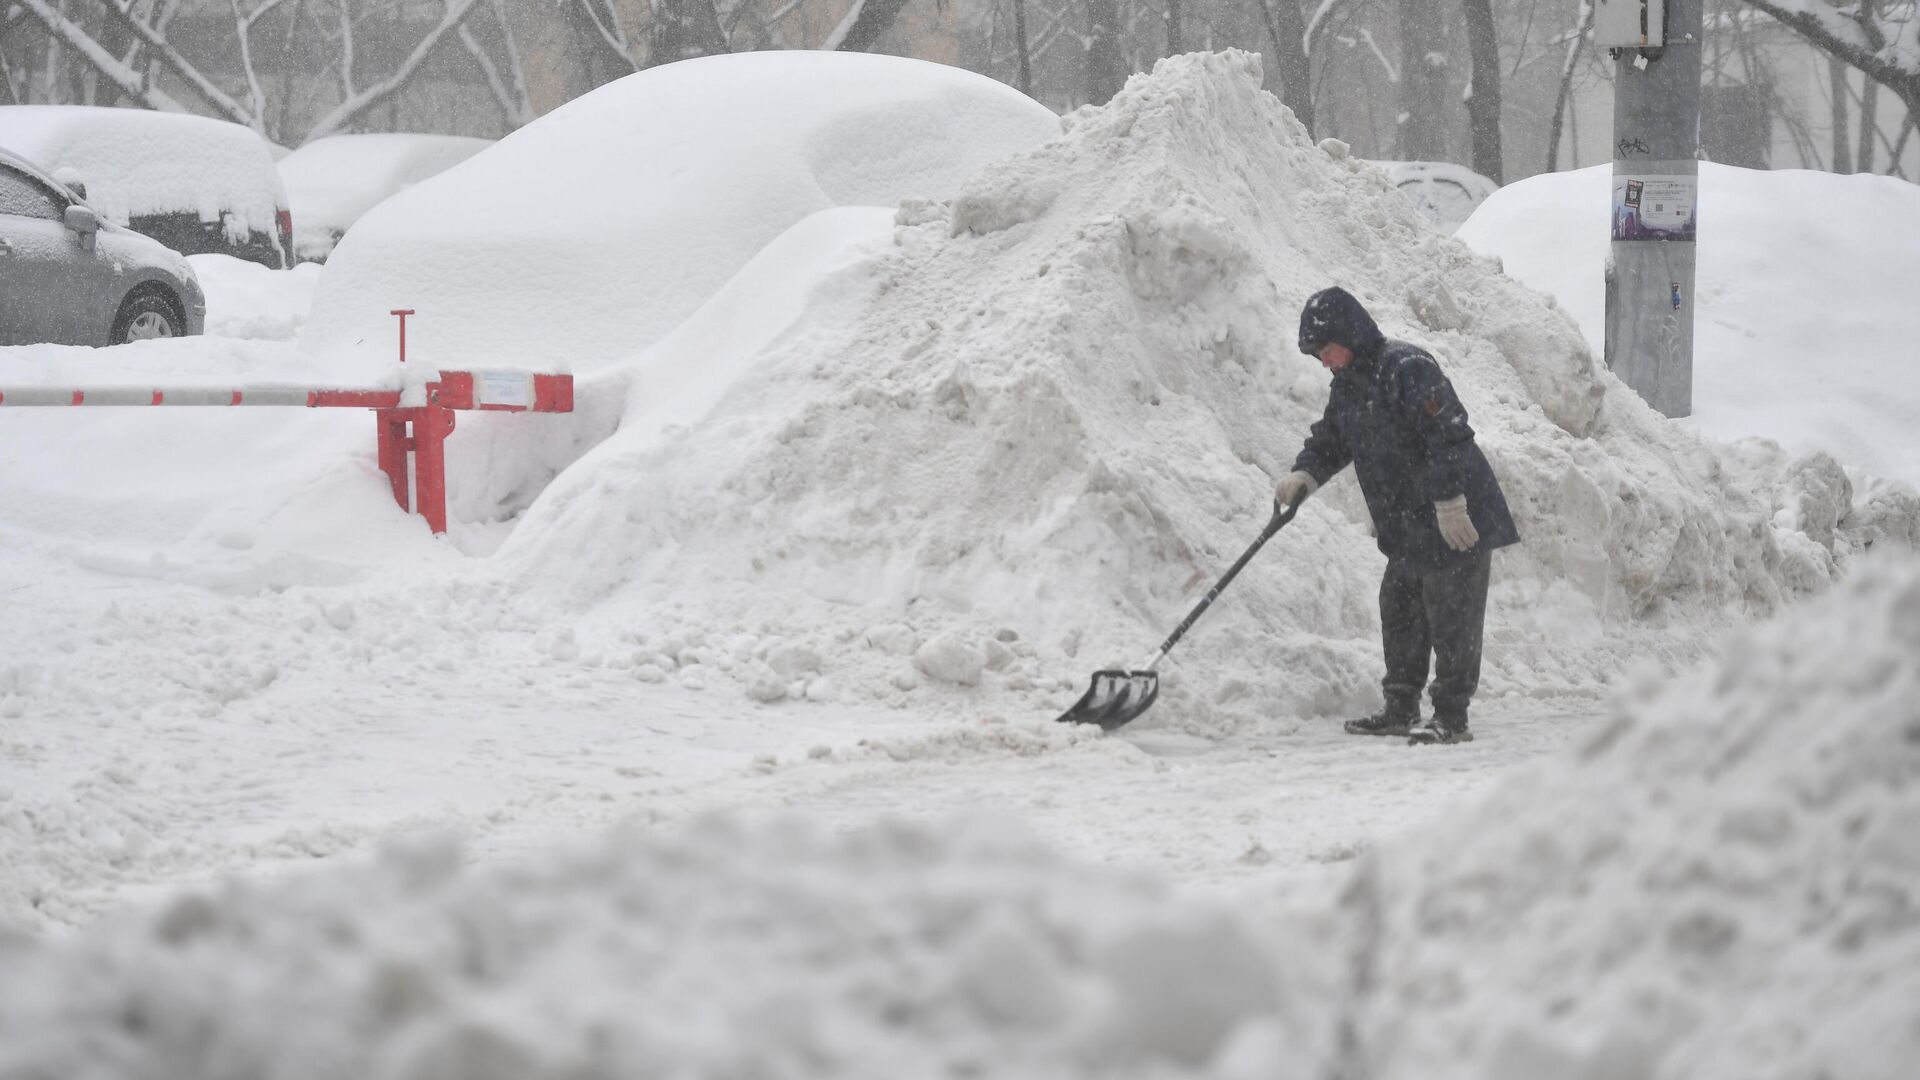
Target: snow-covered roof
[[331, 182], [591, 232], [136, 161]]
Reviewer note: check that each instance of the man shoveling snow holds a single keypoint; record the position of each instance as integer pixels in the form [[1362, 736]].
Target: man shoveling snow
[[1438, 512]]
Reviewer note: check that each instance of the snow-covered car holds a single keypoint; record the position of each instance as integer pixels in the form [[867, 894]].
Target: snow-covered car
[[592, 232], [1443, 191], [332, 181], [196, 184], [70, 278]]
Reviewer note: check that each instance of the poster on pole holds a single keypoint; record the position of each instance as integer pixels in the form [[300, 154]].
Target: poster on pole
[[1655, 205]]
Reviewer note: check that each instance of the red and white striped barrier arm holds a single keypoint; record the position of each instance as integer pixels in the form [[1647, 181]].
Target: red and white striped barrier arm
[[200, 395], [494, 391], [416, 430]]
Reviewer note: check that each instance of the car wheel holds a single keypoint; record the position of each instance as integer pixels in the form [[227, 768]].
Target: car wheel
[[145, 315]]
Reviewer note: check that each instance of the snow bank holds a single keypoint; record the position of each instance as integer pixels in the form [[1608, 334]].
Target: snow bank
[[137, 161], [1805, 296], [247, 300], [1720, 881], [767, 948], [587, 235], [1050, 415]]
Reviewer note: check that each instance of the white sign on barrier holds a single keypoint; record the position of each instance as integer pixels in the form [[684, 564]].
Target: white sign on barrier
[[514, 388]]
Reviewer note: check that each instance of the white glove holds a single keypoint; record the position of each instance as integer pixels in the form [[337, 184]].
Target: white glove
[[1456, 528], [1294, 487]]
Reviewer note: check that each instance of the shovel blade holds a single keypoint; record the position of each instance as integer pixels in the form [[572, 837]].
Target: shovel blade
[[1114, 698]]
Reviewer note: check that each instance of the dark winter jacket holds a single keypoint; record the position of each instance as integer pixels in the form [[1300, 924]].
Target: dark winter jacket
[[1394, 416]]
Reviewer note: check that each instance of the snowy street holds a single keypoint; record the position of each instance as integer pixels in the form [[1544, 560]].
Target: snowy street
[[299, 771], [715, 736]]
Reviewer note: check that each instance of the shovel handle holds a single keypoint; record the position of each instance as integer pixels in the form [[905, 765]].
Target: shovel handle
[[1281, 515]]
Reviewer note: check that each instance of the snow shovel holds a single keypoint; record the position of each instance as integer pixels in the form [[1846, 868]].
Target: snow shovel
[[1118, 696]]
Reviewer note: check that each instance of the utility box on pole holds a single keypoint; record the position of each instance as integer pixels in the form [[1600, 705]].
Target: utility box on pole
[[1656, 195], [1629, 24]]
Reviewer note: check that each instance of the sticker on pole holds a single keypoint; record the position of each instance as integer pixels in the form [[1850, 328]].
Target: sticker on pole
[[1655, 206]]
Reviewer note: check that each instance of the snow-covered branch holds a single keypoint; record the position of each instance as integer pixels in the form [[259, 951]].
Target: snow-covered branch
[[1393, 73], [457, 12], [121, 11], [512, 97], [1583, 27], [1316, 22], [609, 28], [347, 88], [1885, 46], [243, 30], [127, 79], [839, 33]]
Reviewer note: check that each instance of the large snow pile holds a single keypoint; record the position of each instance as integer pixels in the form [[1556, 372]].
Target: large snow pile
[[1804, 294], [585, 236], [333, 182], [136, 162], [1720, 881], [1056, 417], [729, 949]]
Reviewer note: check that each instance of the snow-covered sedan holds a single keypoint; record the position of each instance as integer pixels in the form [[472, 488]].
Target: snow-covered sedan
[[1443, 191], [331, 182], [196, 184], [71, 278]]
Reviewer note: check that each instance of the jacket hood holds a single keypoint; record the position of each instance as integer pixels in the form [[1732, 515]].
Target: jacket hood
[[1334, 315]]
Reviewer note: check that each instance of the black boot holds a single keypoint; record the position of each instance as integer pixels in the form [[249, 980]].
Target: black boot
[[1440, 730], [1388, 721]]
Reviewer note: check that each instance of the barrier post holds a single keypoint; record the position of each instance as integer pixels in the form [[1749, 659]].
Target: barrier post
[[392, 451], [431, 426]]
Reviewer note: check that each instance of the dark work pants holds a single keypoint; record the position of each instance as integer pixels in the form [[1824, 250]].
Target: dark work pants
[[1439, 615]]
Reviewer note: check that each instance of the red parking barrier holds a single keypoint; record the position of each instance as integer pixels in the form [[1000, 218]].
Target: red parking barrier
[[431, 423]]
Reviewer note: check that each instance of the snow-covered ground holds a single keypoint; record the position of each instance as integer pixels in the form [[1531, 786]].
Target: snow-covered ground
[[717, 740]]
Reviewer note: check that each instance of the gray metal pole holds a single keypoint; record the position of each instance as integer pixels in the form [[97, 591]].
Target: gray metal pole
[[1656, 126]]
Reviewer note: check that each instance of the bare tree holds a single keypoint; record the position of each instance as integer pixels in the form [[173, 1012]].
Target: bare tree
[[1020, 47], [865, 21], [1483, 100], [1106, 67], [509, 87], [1837, 91], [6, 79], [1583, 27], [129, 48], [1287, 28], [1869, 115], [595, 25], [682, 30], [1422, 83], [129, 81]]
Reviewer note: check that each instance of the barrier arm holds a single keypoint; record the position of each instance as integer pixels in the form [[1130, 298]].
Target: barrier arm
[[419, 430]]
